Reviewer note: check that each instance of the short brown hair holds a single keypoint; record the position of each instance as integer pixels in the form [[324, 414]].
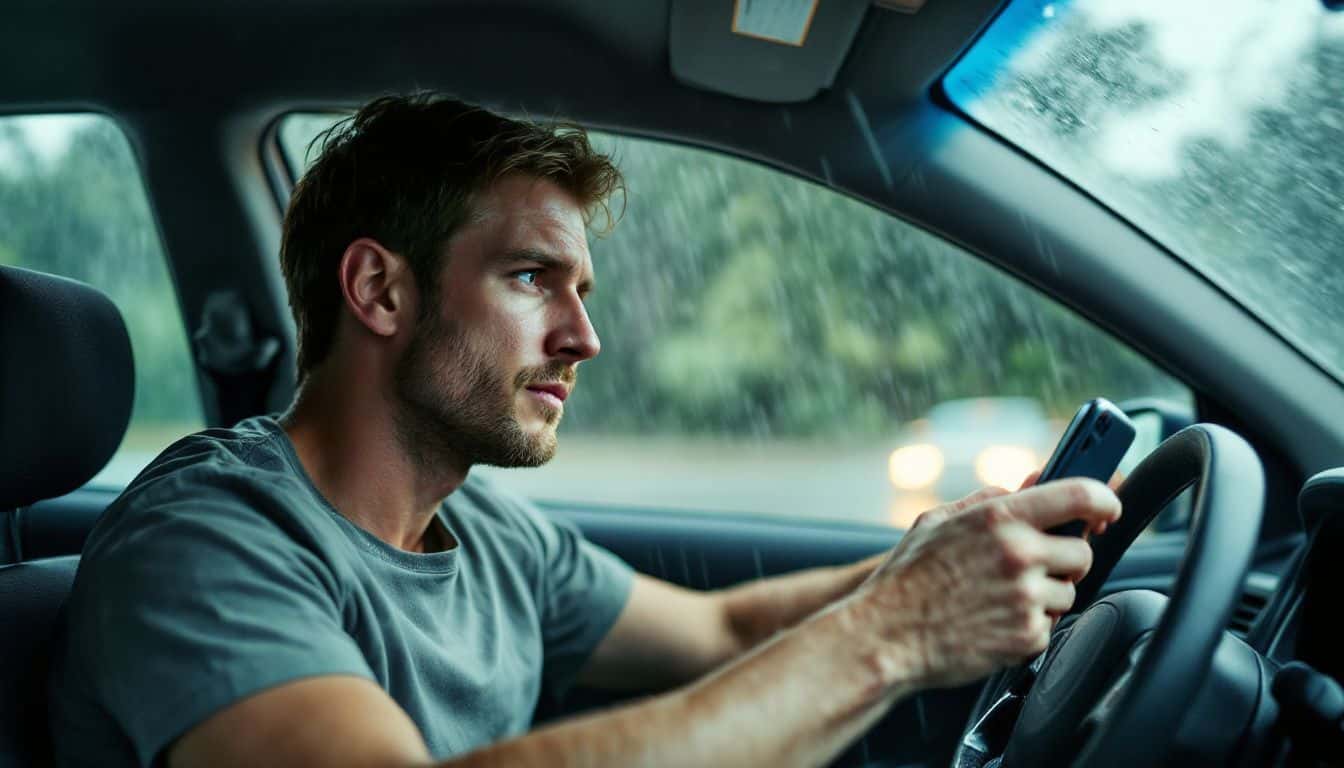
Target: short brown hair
[[406, 171]]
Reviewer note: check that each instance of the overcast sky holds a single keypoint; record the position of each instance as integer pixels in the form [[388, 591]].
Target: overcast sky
[[1235, 56]]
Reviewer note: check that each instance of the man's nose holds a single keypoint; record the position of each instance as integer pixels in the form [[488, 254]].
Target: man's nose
[[573, 336]]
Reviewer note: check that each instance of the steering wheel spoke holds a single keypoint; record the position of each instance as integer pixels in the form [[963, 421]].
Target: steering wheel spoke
[[1102, 711], [984, 741]]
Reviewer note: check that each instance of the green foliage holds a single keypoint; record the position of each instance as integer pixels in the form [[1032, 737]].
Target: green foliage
[[736, 300], [79, 210], [732, 299]]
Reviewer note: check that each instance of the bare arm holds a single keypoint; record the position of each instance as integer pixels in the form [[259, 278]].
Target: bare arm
[[752, 713], [953, 602], [668, 635], [756, 610]]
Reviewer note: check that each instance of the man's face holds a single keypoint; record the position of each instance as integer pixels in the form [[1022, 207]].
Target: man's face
[[487, 370]]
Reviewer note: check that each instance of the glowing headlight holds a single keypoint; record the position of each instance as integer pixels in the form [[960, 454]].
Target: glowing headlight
[[915, 466], [1005, 465]]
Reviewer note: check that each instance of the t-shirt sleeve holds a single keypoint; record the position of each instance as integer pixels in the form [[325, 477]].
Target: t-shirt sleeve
[[581, 589], [198, 605], [583, 593]]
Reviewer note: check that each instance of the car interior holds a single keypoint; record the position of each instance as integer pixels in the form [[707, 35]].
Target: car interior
[[1223, 627]]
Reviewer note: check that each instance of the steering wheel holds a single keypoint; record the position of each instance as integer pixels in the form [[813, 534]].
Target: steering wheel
[[1117, 677]]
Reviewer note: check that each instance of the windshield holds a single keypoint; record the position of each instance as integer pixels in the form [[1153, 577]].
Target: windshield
[[1215, 125]]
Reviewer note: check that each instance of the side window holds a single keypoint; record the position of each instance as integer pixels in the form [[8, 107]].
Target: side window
[[72, 203], [772, 347]]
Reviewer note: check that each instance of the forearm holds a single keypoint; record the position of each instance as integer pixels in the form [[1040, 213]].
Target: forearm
[[798, 700], [757, 610]]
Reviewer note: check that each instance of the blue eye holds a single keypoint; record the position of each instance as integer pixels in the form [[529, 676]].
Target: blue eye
[[527, 276]]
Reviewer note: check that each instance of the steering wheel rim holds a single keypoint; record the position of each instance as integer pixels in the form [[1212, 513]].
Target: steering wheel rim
[[1225, 525]]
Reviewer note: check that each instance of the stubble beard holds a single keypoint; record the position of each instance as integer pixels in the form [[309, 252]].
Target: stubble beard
[[454, 408]]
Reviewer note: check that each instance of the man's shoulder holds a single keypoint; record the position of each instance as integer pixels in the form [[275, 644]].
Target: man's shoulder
[[239, 475], [250, 449]]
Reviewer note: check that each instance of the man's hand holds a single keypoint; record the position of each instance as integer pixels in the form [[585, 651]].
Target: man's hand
[[973, 586], [1117, 480]]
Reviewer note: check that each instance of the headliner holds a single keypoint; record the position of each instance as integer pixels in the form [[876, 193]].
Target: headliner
[[604, 63]]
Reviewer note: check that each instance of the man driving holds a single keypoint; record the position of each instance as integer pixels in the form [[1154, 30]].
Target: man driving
[[333, 586]]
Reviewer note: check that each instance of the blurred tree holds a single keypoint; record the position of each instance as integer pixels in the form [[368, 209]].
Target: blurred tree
[[732, 299], [79, 210], [738, 300]]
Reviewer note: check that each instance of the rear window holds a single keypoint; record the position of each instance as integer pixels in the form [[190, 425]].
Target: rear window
[[72, 203]]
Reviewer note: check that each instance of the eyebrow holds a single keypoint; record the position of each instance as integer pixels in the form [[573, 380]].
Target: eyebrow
[[546, 260]]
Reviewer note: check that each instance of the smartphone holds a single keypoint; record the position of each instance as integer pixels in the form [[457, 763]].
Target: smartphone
[[1092, 446]]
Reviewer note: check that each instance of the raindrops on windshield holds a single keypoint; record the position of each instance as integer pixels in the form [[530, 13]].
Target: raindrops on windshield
[[1217, 126]]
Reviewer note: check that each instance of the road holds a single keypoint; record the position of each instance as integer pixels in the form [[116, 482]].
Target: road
[[778, 478]]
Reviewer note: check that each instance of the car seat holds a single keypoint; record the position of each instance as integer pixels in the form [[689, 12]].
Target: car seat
[[66, 386]]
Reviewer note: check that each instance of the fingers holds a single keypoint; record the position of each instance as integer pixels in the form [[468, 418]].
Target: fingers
[[1056, 595], [1066, 557], [1023, 549], [1117, 480], [1061, 501]]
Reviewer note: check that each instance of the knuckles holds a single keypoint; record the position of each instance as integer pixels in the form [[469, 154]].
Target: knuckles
[[995, 513], [1080, 493], [1085, 559], [1086, 494], [1071, 592], [1012, 542], [1025, 599], [1036, 637]]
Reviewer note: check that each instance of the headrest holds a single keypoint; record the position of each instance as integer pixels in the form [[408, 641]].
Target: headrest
[[66, 384]]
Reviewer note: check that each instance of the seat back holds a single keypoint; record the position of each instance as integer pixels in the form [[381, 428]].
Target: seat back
[[66, 387], [31, 595]]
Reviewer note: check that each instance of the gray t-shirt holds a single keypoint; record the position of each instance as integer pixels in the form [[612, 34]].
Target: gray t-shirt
[[222, 571]]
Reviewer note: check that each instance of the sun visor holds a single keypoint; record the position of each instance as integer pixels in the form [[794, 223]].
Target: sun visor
[[766, 50]]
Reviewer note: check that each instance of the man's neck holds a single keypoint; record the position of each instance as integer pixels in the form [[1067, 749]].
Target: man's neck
[[346, 440]]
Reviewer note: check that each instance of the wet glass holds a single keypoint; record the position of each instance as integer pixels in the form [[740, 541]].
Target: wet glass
[[1214, 125], [72, 203], [772, 347]]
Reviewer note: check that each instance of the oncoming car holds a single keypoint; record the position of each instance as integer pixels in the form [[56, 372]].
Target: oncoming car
[[964, 445], [870, 257]]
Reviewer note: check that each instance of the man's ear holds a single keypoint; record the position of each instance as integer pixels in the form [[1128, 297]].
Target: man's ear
[[377, 286]]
